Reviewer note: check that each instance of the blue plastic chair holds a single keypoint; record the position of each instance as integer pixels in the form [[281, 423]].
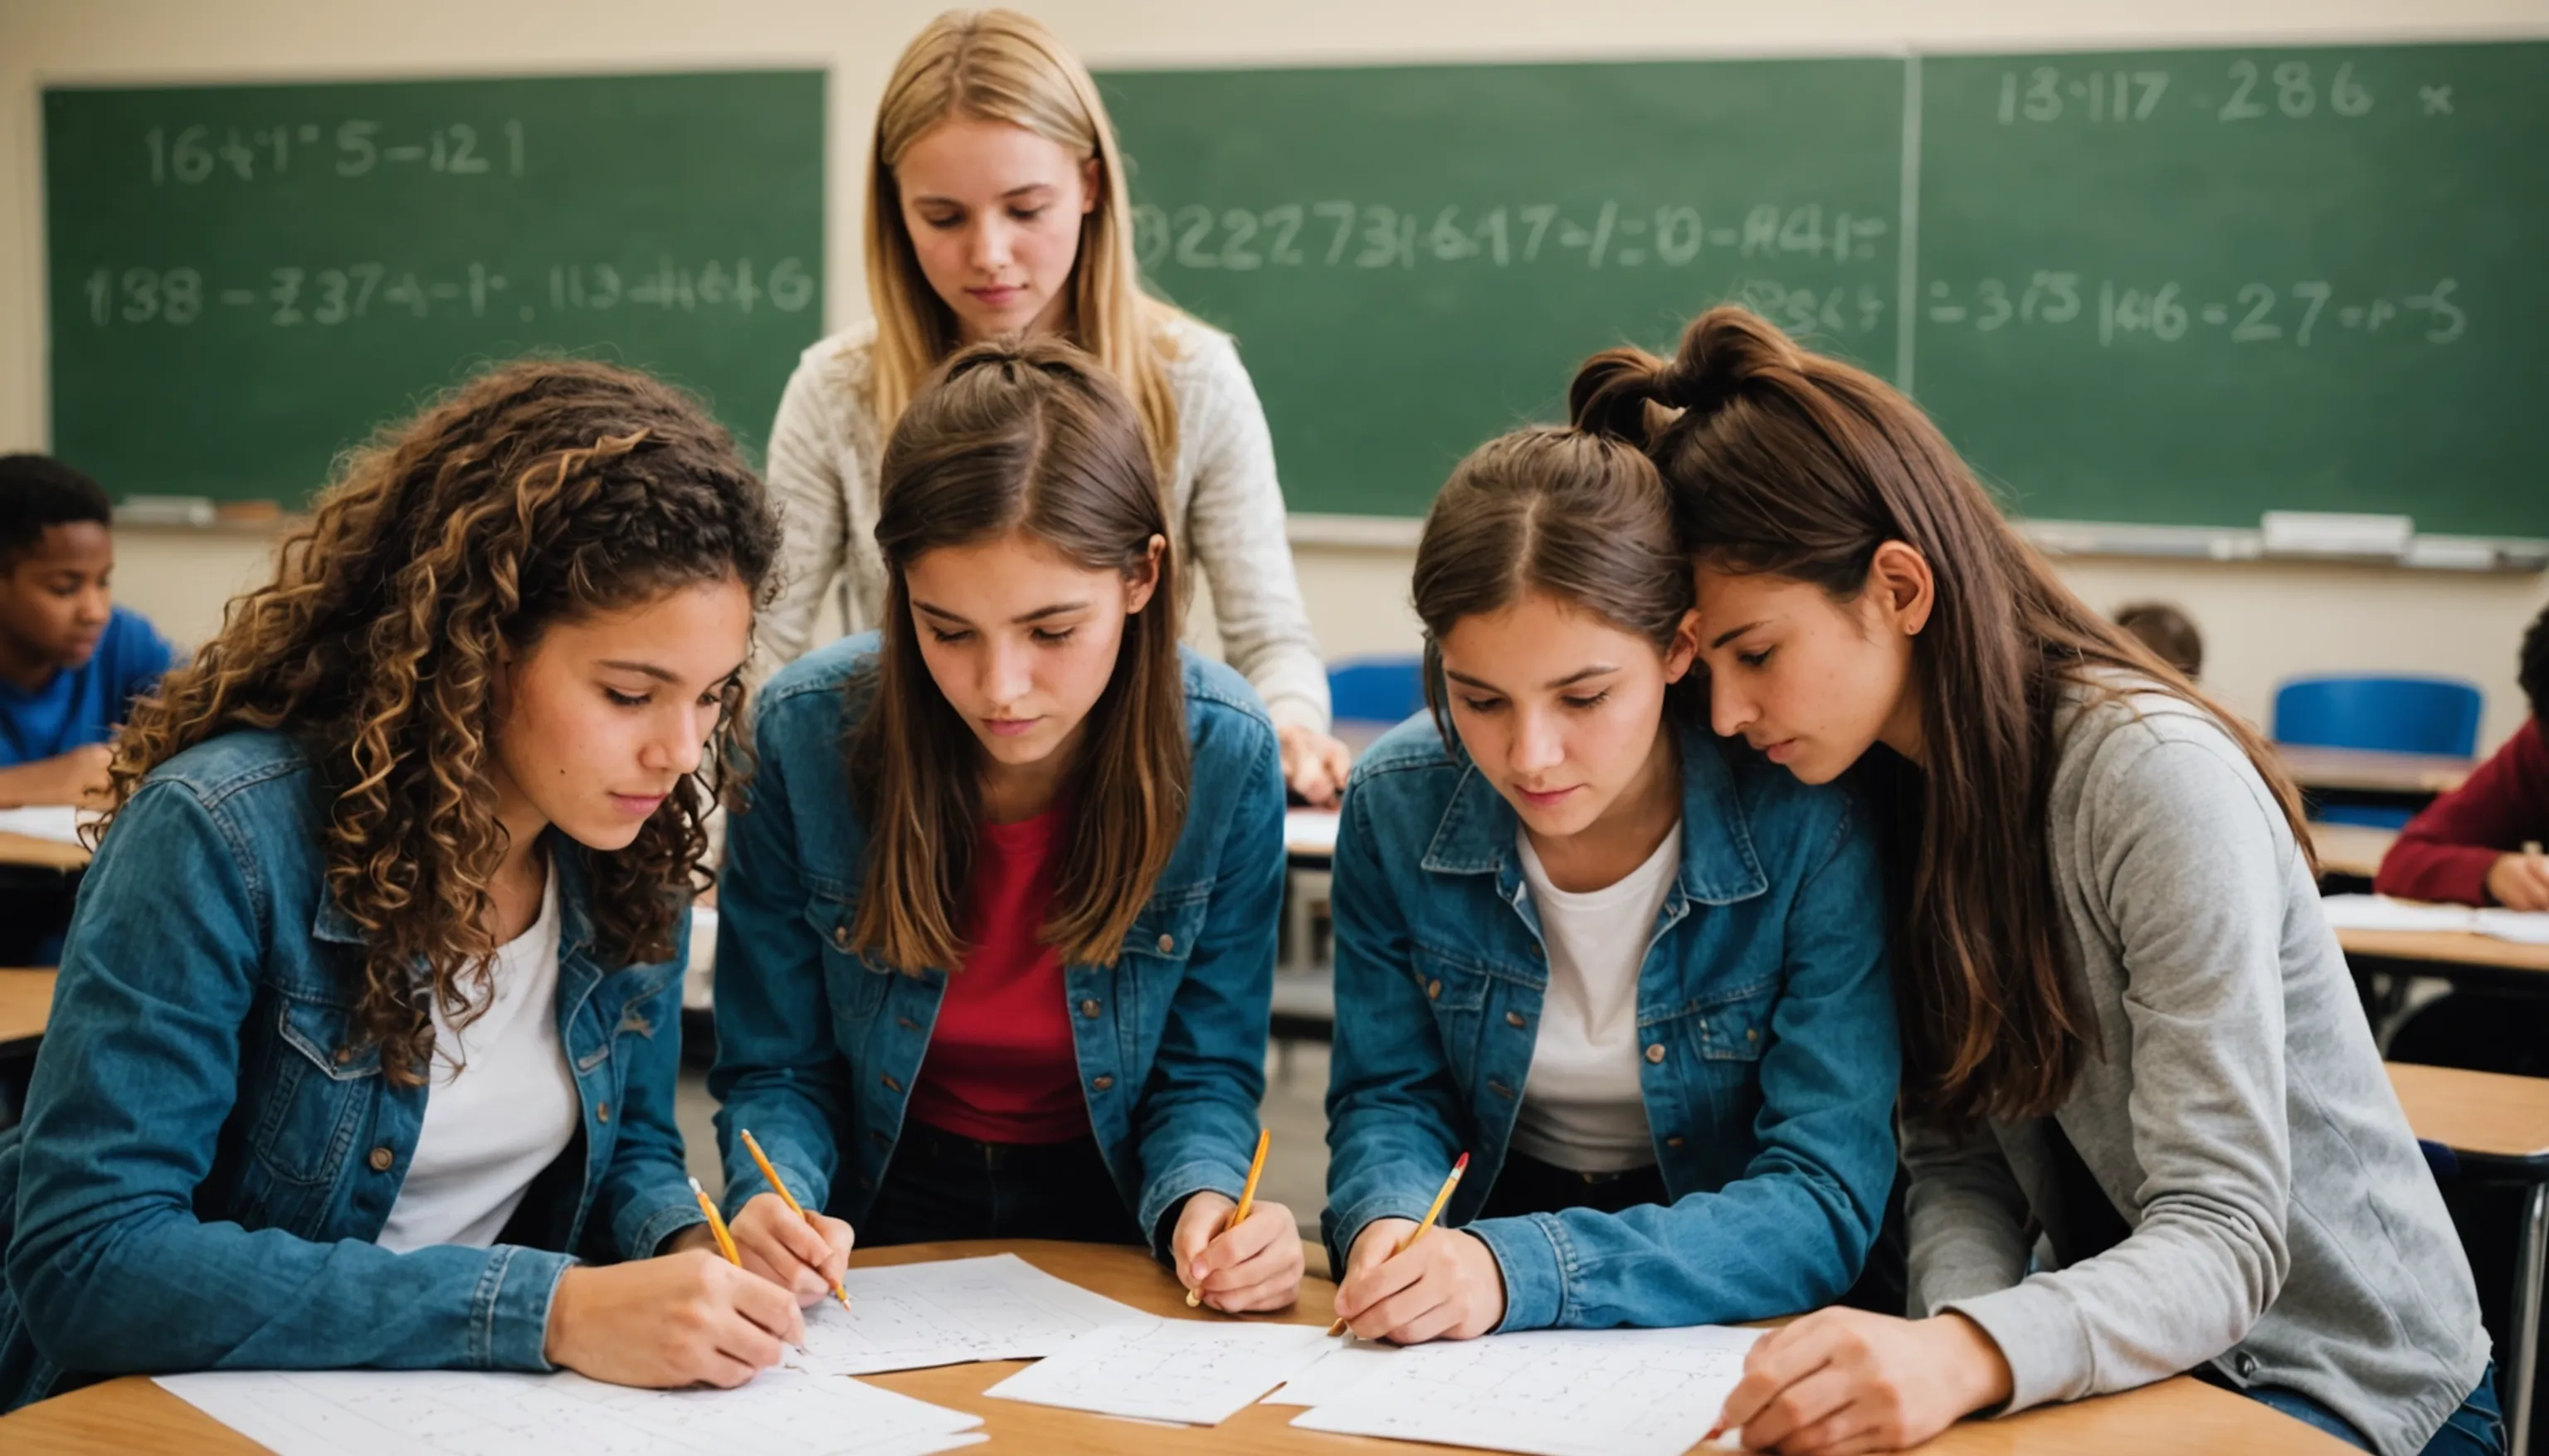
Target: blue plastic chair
[[1377, 690], [2402, 715]]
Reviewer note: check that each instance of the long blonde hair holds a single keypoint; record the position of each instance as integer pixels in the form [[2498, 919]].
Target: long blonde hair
[[998, 65]]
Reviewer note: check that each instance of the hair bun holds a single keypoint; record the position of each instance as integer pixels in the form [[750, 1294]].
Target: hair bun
[[1721, 351], [1612, 392]]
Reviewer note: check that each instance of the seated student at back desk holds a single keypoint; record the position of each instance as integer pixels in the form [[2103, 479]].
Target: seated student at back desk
[[2479, 845], [70, 659]]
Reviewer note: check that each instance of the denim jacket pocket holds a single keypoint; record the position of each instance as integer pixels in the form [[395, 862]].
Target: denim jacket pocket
[[1455, 986], [1735, 1025], [315, 1099], [854, 981], [1162, 936]]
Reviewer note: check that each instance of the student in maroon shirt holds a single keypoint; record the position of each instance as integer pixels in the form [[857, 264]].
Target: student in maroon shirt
[[2467, 845]]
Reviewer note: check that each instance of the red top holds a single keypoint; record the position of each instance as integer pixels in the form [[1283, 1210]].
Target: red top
[[2444, 853], [1001, 1067]]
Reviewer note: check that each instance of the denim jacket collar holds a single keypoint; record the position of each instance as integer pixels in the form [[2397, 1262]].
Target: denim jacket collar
[[1475, 835], [335, 925]]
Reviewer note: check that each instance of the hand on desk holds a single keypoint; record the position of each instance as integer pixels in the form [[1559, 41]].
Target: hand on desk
[[1446, 1285], [75, 777], [680, 1318], [807, 1258], [2519, 881], [1315, 765], [1255, 1266], [1842, 1381]]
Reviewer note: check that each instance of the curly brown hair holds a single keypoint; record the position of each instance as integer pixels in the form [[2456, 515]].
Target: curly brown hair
[[540, 491]]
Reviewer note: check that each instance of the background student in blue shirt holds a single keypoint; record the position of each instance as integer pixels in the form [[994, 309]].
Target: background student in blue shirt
[[1636, 973], [71, 661]]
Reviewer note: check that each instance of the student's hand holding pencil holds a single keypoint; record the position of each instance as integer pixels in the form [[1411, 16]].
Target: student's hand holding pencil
[[2521, 881], [1446, 1285], [682, 1318], [1255, 1264], [806, 1254]]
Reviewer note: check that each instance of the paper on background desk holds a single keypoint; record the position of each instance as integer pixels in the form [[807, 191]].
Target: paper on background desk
[[437, 1413], [1200, 1372], [1311, 831], [951, 1312], [2381, 912], [1547, 1393], [59, 823]]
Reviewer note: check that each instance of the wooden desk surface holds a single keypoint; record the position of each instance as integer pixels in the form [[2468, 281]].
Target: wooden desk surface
[[26, 997], [40, 853], [2485, 1113], [2445, 948], [2366, 771], [2178, 1414], [2351, 849]]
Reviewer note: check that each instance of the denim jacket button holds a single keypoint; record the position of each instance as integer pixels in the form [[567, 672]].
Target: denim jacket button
[[344, 1054], [1101, 1082], [1656, 1052], [1674, 1140], [1088, 1007], [602, 1114], [890, 1085], [1433, 990], [1514, 1019], [1168, 944], [842, 937], [381, 1159]]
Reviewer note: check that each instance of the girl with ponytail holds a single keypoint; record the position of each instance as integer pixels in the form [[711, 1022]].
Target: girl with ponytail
[[2125, 1023], [1637, 974]]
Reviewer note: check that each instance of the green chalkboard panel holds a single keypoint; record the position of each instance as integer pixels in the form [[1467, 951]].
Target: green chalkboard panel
[[247, 279], [2184, 287], [1415, 258]]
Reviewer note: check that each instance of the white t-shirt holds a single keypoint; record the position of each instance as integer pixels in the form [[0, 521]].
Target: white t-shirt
[[1581, 1107], [500, 1105]]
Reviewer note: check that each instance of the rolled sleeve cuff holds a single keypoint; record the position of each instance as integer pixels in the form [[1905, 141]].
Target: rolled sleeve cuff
[[508, 1317], [1344, 1229], [651, 1230], [1533, 1256], [2046, 1349], [745, 1184], [1177, 1185]]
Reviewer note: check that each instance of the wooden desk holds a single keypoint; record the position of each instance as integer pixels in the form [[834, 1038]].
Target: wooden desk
[[2351, 849], [2178, 1414], [2364, 771], [26, 998], [2451, 954], [29, 851], [2499, 1128]]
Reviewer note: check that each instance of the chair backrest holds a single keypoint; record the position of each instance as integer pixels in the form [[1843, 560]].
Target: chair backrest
[[2407, 715], [1377, 690]]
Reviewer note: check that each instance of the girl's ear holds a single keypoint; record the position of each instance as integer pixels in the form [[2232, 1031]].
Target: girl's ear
[[1900, 583], [1685, 647], [1092, 185], [1142, 580]]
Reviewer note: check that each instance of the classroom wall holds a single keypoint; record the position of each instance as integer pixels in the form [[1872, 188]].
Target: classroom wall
[[2262, 622]]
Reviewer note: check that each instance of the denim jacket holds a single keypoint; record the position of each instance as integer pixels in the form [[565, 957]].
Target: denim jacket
[[1765, 1022], [205, 1162], [818, 1045]]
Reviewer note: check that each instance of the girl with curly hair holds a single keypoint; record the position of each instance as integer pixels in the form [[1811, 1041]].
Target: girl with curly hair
[[366, 1024]]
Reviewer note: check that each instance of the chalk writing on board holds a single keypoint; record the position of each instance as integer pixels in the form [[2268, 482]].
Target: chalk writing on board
[[2297, 314], [291, 296], [192, 155], [1340, 233], [2252, 90]]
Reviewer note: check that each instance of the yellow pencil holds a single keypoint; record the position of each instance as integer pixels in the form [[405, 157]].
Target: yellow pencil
[[772, 1175], [1247, 1198], [716, 1225], [1431, 1215]]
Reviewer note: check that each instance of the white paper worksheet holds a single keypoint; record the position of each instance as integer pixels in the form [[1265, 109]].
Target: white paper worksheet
[[58, 823], [1548, 1392], [911, 1317], [1200, 1372], [434, 1412]]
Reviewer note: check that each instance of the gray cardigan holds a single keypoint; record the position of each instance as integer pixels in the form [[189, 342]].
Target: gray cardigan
[[2285, 1226], [1225, 513]]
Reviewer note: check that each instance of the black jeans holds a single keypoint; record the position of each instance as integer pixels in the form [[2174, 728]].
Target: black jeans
[[1526, 1185], [940, 1186]]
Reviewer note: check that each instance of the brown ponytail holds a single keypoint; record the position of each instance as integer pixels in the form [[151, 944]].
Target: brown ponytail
[[1786, 462]]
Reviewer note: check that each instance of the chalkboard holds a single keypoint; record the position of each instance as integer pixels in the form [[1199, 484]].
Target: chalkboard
[[2165, 288], [2188, 286], [247, 279], [1413, 259]]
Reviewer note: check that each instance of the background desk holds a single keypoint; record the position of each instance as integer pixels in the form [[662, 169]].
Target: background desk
[[2458, 956], [29, 852], [2350, 851], [2358, 777], [2179, 1415], [26, 997]]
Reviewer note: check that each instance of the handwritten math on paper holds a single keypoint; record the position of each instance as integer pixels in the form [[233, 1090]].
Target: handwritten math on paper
[[329, 1412], [911, 1316]]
